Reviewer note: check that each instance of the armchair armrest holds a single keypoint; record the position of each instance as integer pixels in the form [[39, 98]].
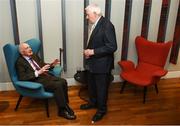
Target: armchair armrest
[[126, 65], [56, 71], [28, 84], [32, 89], [160, 73]]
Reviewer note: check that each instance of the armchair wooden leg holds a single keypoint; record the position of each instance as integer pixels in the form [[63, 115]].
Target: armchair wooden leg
[[123, 86], [156, 87], [47, 107], [145, 91], [18, 102]]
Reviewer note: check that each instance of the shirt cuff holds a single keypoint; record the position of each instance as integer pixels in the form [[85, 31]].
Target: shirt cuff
[[36, 73]]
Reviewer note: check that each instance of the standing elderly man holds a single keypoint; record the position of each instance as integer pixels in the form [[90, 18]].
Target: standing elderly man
[[99, 56], [30, 67]]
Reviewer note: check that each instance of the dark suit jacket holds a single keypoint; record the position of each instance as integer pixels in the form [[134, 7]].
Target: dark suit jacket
[[103, 41], [26, 72]]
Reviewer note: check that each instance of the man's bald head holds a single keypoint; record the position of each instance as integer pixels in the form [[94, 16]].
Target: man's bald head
[[25, 49]]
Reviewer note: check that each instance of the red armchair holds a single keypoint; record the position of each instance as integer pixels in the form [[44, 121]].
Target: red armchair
[[150, 67]]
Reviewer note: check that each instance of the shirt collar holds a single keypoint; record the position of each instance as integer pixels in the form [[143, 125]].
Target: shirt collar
[[26, 57], [97, 21]]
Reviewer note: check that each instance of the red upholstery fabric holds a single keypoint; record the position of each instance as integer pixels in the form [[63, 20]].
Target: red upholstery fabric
[[152, 52], [151, 60]]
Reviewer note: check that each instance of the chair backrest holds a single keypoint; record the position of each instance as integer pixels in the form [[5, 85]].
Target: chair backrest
[[11, 54], [35, 45], [152, 52]]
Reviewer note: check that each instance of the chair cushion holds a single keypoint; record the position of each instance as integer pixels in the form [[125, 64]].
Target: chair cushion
[[143, 75]]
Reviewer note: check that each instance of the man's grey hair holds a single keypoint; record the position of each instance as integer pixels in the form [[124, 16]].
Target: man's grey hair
[[94, 8]]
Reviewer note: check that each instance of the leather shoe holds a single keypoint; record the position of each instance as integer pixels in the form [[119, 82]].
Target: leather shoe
[[66, 115], [98, 116], [69, 109], [87, 106]]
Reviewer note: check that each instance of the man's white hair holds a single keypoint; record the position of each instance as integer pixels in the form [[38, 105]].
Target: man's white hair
[[21, 47], [94, 8]]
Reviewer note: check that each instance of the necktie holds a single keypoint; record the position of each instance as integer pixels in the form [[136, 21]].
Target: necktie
[[34, 64]]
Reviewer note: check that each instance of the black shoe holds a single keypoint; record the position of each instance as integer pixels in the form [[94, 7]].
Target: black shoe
[[87, 106], [69, 109], [66, 115], [98, 116]]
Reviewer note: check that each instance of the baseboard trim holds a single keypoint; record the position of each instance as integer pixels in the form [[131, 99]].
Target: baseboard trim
[[6, 86], [71, 82], [172, 74]]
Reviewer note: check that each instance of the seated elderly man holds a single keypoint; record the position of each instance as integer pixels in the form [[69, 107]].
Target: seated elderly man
[[31, 68]]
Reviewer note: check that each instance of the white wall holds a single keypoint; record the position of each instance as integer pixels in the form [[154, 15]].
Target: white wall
[[117, 18], [136, 23], [172, 19], [6, 36], [154, 20], [74, 35], [27, 21], [51, 28]]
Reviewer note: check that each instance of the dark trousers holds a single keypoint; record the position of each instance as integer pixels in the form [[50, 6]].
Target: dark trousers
[[59, 87], [98, 90]]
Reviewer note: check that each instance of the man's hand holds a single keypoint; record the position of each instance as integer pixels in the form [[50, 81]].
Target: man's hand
[[55, 62], [88, 53], [44, 69]]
